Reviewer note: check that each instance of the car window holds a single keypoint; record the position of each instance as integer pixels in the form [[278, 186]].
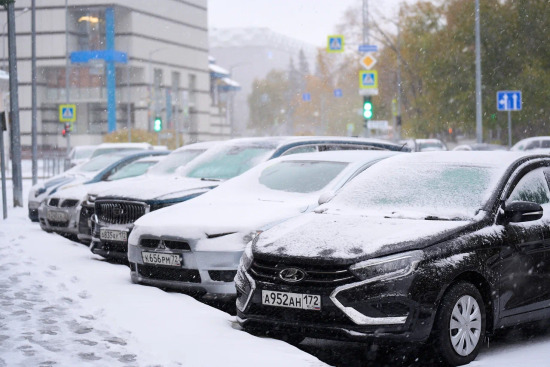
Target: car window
[[302, 149], [532, 187], [545, 144], [131, 170], [533, 145], [300, 176]]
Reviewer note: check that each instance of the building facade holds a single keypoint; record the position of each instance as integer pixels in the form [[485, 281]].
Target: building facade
[[164, 72]]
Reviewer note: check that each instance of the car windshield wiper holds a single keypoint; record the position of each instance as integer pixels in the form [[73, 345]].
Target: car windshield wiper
[[210, 179], [434, 217]]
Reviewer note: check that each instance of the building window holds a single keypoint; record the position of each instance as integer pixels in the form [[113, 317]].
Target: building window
[[192, 90], [89, 26]]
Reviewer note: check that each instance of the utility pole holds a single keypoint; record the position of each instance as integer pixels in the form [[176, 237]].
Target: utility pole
[[14, 111], [33, 92], [479, 126], [366, 40], [398, 121]]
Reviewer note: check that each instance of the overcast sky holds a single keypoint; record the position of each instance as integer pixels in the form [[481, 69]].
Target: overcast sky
[[307, 20]]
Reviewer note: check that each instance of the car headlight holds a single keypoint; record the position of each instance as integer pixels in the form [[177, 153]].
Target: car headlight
[[388, 267], [246, 258]]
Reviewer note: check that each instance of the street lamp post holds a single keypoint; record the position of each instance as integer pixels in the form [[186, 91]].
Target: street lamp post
[[4, 38]]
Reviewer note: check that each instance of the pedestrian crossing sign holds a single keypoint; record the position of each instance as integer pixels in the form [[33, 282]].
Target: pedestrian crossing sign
[[335, 43], [67, 113], [368, 79]]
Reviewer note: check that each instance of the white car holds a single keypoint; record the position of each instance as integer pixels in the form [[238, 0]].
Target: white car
[[60, 213], [534, 143], [196, 245]]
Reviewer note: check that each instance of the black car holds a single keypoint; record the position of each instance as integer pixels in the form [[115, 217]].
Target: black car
[[439, 248], [117, 209]]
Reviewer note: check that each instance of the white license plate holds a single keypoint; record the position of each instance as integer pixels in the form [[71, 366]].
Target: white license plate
[[57, 216], [156, 258], [113, 235], [292, 300]]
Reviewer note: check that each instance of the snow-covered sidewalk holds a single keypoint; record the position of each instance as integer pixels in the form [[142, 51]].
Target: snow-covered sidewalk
[[60, 305]]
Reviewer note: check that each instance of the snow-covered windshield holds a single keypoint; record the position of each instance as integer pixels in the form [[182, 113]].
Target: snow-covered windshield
[[98, 163], [419, 190], [132, 170], [228, 161], [176, 159], [300, 176]]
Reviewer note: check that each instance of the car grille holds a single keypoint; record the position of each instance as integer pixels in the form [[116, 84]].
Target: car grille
[[320, 275], [58, 224], [170, 244], [69, 203], [119, 212], [53, 202], [160, 273]]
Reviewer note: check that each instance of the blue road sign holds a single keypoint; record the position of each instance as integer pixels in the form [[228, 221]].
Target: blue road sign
[[338, 93], [335, 43], [509, 100], [368, 48], [306, 97]]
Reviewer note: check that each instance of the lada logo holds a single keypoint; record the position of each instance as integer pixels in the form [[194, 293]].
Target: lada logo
[[292, 275], [118, 211]]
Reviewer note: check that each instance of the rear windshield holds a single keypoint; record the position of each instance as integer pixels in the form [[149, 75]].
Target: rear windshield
[[228, 161], [132, 170], [98, 163], [300, 176], [174, 160]]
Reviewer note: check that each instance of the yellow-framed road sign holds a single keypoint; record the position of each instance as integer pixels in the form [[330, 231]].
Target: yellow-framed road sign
[[67, 113]]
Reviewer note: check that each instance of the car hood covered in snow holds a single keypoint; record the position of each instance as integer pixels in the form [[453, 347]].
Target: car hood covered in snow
[[351, 238], [155, 188], [208, 219]]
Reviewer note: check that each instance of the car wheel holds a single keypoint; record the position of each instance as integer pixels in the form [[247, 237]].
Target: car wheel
[[460, 324]]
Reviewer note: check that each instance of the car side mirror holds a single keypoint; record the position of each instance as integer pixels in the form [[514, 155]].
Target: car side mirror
[[326, 197], [522, 211]]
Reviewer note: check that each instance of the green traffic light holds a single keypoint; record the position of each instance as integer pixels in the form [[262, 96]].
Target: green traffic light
[[157, 124], [367, 110]]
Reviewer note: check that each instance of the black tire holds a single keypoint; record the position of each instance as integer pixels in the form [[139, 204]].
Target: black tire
[[455, 346]]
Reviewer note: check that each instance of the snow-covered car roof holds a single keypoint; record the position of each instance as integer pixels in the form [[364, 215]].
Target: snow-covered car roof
[[202, 145], [126, 145]]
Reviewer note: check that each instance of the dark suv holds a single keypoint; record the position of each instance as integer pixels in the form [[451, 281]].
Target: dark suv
[[117, 209], [428, 247]]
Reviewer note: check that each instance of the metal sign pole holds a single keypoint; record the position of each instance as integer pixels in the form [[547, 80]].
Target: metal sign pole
[[509, 129], [3, 165], [67, 78], [14, 112], [33, 93]]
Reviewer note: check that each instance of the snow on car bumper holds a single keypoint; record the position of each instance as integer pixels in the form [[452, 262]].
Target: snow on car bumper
[[66, 220], [209, 272]]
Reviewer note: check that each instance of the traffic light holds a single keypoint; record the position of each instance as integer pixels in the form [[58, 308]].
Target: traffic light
[[157, 124], [66, 129], [367, 108]]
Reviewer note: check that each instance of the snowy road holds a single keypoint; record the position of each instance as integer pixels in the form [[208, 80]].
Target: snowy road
[[62, 306]]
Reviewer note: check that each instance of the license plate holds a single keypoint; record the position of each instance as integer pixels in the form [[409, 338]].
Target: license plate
[[156, 258], [57, 216], [292, 300], [113, 235]]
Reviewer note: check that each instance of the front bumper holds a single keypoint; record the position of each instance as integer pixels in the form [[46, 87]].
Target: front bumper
[[67, 225], [210, 273], [359, 311], [115, 250]]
